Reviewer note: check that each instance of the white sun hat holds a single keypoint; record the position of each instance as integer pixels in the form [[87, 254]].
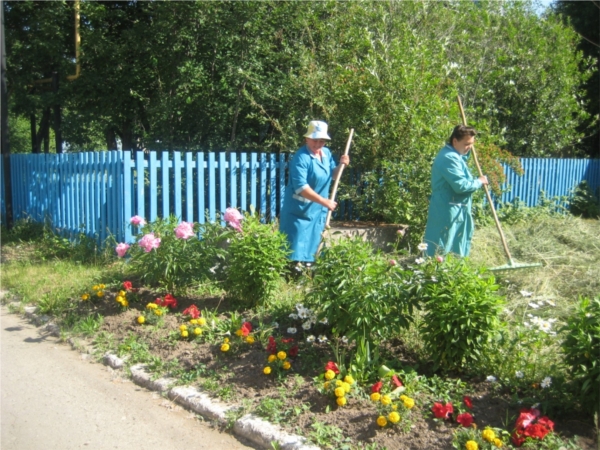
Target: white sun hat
[[317, 130]]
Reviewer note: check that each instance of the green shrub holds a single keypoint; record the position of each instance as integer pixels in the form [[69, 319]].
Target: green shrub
[[584, 202], [255, 262], [461, 311], [360, 293], [582, 351], [177, 263]]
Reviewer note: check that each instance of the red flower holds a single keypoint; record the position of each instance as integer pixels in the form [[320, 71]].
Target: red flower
[[396, 381], [442, 411], [546, 422], [293, 352], [272, 346], [169, 301], [465, 419], [287, 340], [526, 418], [377, 387], [246, 328], [517, 439], [127, 285], [192, 311], [332, 366], [468, 402], [536, 430]]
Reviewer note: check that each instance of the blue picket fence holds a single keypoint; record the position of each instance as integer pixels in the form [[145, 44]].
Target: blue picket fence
[[96, 193]]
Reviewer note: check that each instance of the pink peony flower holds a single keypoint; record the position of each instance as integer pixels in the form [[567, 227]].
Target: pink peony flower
[[137, 221], [148, 242], [121, 249], [392, 262], [439, 259], [233, 217], [184, 230]]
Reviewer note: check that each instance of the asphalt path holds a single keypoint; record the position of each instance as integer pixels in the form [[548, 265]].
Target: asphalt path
[[51, 398]]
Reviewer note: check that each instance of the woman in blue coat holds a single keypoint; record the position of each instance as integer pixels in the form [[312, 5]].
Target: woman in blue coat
[[306, 199], [449, 221]]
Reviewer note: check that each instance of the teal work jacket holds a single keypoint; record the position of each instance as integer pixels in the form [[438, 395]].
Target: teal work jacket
[[449, 222]]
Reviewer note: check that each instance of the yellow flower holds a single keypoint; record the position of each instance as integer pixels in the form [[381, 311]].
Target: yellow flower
[[271, 358], [141, 320], [225, 347], [471, 445], [381, 421], [122, 293], [386, 400], [119, 298], [182, 327], [394, 417], [281, 355], [488, 435], [408, 403], [341, 401], [226, 340], [326, 385], [375, 396], [339, 383], [498, 443], [250, 340], [403, 397], [100, 293], [151, 306], [95, 287], [101, 286], [286, 365], [348, 379], [267, 370], [346, 387], [201, 321], [193, 322], [157, 311], [339, 392], [197, 331], [184, 333], [329, 375], [125, 303], [239, 332], [394, 407], [85, 297]]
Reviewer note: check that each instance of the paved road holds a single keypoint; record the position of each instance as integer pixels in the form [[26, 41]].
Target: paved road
[[52, 399]]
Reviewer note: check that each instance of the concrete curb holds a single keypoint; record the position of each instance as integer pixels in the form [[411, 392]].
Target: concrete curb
[[250, 427]]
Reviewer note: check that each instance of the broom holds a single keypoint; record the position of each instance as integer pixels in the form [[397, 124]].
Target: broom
[[511, 264]]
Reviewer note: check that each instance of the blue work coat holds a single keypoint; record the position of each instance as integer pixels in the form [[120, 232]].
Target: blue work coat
[[302, 220], [449, 221]]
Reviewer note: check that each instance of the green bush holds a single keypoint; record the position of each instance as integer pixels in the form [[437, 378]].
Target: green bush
[[461, 311], [256, 259], [584, 202], [582, 352], [361, 293], [177, 263]]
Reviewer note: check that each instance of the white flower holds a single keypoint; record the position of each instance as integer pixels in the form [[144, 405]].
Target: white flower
[[306, 325], [422, 246], [324, 321], [322, 338], [302, 313], [271, 268], [434, 279], [491, 379], [344, 339], [526, 293], [420, 260], [293, 316], [588, 315], [550, 302], [299, 306], [275, 325], [546, 382], [545, 326], [292, 330], [519, 374], [310, 339], [533, 305]]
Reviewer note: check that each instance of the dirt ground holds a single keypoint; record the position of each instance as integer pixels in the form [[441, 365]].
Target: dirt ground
[[242, 372]]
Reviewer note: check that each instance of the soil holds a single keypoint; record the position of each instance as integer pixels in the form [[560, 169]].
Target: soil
[[242, 372]]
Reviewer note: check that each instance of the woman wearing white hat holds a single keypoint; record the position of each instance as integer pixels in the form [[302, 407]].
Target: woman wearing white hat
[[306, 199]]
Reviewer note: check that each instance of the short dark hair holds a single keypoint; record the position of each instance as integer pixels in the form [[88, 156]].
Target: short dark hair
[[460, 131]]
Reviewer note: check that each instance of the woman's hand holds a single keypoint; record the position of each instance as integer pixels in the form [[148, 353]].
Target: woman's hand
[[483, 180], [329, 204], [345, 159]]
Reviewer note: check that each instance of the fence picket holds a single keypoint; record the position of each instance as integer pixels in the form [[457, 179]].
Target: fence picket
[[189, 187], [201, 191], [212, 189], [177, 184]]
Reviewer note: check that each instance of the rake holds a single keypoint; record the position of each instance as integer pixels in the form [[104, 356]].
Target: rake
[[511, 264]]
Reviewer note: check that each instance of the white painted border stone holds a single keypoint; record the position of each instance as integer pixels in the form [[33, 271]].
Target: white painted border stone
[[263, 433], [200, 402], [141, 376]]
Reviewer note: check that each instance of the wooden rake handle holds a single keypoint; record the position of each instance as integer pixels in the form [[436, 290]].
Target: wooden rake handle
[[487, 191], [336, 182]]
